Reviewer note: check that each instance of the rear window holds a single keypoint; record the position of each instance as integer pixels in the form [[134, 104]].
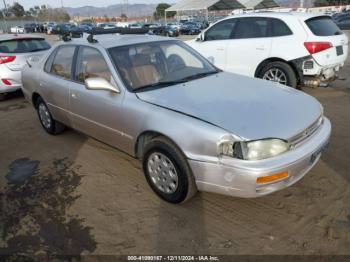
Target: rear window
[[323, 26], [24, 45]]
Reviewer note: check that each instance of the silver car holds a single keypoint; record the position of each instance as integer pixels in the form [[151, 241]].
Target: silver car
[[193, 126], [15, 50]]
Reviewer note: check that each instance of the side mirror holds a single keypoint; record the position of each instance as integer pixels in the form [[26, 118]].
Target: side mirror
[[200, 38], [99, 83]]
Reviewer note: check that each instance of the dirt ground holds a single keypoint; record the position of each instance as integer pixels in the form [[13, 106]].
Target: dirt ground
[[70, 194]]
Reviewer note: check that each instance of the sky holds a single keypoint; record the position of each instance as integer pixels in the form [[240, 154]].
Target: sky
[[78, 3]]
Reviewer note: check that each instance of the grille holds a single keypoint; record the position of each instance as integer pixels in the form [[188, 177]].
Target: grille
[[299, 138]]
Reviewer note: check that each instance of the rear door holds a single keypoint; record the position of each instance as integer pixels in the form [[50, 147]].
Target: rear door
[[251, 44], [55, 81], [323, 29], [216, 41]]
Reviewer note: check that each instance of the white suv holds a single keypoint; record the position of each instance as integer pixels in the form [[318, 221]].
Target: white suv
[[289, 48]]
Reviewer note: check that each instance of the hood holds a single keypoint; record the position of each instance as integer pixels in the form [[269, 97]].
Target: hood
[[247, 107]]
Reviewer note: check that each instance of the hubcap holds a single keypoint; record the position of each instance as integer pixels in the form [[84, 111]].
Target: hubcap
[[44, 116], [276, 75], [162, 173]]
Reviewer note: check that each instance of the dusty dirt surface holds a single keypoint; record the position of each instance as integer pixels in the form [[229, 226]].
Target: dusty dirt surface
[[70, 194]]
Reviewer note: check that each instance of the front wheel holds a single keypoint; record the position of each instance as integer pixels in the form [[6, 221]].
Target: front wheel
[[279, 72], [167, 171], [50, 125]]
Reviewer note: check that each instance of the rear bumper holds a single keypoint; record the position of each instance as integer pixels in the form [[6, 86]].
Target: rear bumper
[[325, 73], [307, 67], [13, 76], [238, 178]]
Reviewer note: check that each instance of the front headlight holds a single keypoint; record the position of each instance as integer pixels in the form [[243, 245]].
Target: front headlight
[[262, 149], [255, 150]]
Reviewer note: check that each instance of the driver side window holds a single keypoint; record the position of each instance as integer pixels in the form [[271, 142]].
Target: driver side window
[[221, 31]]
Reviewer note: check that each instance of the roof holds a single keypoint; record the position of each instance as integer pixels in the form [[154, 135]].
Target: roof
[[114, 40], [302, 16], [211, 5]]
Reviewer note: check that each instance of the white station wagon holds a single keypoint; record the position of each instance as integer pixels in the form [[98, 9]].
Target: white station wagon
[[290, 48]]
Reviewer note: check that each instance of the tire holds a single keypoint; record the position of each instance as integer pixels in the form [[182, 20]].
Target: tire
[[287, 70], [50, 125], [2, 97], [185, 184]]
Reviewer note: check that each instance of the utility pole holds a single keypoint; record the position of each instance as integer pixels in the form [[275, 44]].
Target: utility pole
[[4, 15]]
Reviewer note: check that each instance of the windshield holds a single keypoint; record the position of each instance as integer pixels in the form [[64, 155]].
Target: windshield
[[159, 64]]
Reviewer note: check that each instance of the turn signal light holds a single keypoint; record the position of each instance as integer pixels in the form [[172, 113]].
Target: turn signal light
[[316, 47], [272, 178], [7, 59]]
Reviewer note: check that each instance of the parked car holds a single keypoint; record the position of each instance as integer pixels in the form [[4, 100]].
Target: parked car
[[70, 29], [49, 27], [17, 30], [106, 25], [30, 28], [289, 48], [165, 31], [14, 52], [344, 22], [192, 125], [190, 28]]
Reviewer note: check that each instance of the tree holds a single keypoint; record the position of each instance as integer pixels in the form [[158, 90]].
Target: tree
[[113, 19], [124, 17], [160, 11], [17, 10]]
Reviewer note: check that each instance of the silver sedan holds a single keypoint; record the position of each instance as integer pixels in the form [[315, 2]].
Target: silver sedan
[[192, 126]]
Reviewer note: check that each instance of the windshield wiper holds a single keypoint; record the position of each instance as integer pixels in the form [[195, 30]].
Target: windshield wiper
[[200, 75], [159, 85]]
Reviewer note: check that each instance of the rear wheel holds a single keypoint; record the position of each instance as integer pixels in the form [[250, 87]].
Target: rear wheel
[[50, 125], [2, 97], [279, 72], [167, 171]]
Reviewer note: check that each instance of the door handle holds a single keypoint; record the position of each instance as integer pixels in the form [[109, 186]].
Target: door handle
[[261, 48], [220, 49]]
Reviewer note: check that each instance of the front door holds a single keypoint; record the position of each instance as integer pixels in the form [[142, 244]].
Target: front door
[[216, 41], [96, 112]]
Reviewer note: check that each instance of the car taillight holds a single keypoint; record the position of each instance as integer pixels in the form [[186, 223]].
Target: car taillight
[[6, 82], [6, 59], [315, 47]]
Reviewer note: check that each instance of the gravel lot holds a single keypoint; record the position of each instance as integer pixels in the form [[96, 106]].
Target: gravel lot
[[80, 196]]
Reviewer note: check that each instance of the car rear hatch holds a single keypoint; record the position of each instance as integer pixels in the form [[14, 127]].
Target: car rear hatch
[[326, 42], [15, 52]]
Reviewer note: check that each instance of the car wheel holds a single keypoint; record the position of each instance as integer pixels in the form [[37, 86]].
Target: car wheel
[[2, 97], [279, 72], [50, 125], [167, 171]]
